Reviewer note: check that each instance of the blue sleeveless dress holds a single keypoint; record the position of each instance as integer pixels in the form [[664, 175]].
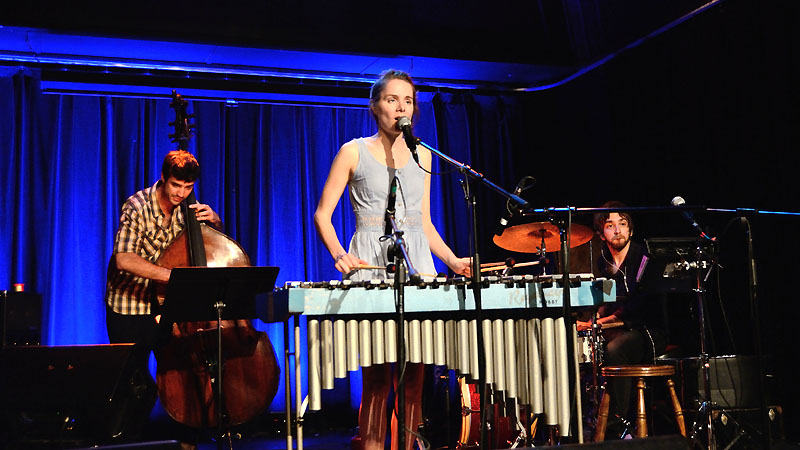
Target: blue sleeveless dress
[[369, 193]]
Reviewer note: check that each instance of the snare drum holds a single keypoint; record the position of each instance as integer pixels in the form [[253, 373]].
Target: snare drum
[[585, 345]]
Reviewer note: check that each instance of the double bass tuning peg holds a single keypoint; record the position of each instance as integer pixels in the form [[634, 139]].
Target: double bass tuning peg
[[190, 125]]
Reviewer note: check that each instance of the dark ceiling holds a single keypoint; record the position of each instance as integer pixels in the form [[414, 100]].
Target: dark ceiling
[[544, 32], [527, 43]]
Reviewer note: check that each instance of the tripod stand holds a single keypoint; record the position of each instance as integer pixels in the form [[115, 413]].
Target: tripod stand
[[684, 265], [704, 416], [704, 263]]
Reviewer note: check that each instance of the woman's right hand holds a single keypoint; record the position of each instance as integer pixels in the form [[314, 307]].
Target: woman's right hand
[[346, 263]]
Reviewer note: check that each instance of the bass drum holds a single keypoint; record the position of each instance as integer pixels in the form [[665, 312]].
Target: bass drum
[[470, 436], [451, 413]]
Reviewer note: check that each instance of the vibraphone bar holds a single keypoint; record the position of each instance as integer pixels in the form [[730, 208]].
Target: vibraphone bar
[[375, 296]]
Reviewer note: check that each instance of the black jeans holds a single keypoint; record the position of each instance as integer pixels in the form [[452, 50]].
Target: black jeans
[[629, 347], [141, 330]]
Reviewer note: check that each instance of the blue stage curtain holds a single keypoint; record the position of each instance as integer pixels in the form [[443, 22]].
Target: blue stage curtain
[[69, 162]]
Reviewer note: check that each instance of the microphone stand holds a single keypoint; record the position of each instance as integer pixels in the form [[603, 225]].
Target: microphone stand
[[476, 268], [705, 411], [754, 310], [399, 252], [564, 228]]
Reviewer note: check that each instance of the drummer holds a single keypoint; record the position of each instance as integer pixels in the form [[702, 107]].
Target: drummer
[[633, 325]]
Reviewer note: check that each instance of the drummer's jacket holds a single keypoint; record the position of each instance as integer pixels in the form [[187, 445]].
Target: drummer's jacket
[[634, 308]]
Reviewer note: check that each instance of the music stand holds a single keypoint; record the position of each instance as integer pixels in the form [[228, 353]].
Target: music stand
[[683, 265], [670, 264], [215, 294]]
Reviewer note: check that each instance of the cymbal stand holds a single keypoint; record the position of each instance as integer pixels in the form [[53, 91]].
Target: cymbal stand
[[596, 341], [543, 255], [574, 426]]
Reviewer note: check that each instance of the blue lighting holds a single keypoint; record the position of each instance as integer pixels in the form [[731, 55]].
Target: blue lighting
[[42, 47]]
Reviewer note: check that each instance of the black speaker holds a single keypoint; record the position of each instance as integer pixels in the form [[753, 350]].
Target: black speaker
[[20, 318], [92, 394], [672, 442], [744, 428], [734, 381]]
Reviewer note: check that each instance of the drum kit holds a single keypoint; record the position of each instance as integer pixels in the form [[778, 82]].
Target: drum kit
[[537, 238]]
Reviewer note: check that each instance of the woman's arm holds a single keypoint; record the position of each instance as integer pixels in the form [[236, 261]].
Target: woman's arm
[[341, 171]]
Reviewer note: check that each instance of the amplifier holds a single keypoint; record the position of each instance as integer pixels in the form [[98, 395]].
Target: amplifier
[[20, 318], [81, 393]]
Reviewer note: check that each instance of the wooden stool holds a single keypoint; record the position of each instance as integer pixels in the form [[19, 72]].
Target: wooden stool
[[641, 418]]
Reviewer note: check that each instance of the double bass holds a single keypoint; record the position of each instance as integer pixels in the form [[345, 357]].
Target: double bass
[[187, 362]]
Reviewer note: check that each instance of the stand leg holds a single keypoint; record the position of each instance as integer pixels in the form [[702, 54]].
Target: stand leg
[[703, 420], [705, 408], [298, 396], [220, 405], [287, 379]]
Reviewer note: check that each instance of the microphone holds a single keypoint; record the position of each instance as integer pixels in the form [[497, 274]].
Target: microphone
[[390, 207], [404, 125], [679, 201], [509, 213]]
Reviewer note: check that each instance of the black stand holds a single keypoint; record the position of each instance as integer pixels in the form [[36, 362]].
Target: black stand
[[704, 262], [215, 293], [752, 282], [476, 267], [704, 413], [670, 267], [564, 227], [399, 253]]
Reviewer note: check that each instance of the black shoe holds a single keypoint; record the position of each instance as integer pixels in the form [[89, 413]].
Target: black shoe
[[617, 428]]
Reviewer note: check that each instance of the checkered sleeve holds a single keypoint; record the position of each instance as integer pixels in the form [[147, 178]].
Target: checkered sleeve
[[131, 228]]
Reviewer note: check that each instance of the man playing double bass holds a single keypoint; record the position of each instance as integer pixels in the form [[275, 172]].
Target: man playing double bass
[[150, 221]]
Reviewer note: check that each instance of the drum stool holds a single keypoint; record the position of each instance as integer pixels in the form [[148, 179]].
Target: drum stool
[[640, 372]]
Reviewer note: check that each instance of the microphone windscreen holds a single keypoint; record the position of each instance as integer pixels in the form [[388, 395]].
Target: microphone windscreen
[[403, 122]]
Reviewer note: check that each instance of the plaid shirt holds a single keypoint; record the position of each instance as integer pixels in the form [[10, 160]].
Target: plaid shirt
[[139, 232]]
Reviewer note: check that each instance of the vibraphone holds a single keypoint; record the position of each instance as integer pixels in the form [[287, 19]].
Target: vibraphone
[[351, 324]]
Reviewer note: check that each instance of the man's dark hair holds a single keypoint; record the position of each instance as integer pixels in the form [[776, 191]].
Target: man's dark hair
[[181, 165], [601, 217]]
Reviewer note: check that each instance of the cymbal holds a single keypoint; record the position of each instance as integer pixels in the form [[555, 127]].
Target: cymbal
[[527, 238]]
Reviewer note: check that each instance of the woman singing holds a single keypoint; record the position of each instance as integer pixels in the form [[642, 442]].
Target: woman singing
[[369, 165]]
